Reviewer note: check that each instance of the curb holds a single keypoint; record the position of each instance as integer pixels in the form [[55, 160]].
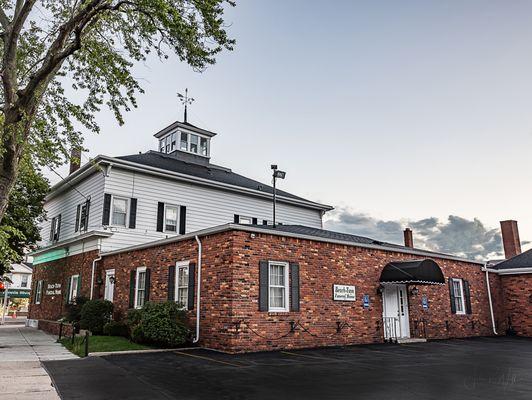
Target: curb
[[117, 353]]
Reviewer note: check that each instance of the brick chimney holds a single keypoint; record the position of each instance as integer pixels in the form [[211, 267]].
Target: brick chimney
[[510, 238], [75, 159], [409, 239]]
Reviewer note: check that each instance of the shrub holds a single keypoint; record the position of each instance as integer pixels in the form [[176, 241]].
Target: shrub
[[95, 314], [133, 317], [73, 310], [115, 328], [162, 324]]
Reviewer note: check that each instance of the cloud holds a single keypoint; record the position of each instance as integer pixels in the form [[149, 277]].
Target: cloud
[[456, 235]]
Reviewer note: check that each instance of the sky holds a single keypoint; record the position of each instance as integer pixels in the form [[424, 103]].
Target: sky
[[411, 113]]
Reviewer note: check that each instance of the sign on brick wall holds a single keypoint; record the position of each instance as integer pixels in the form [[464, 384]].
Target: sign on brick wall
[[53, 289], [344, 293]]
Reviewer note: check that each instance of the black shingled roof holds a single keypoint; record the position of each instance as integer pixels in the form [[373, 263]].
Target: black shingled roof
[[208, 171], [523, 260], [345, 237]]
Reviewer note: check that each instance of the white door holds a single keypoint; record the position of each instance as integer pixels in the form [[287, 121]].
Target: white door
[[109, 284], [395, 312]]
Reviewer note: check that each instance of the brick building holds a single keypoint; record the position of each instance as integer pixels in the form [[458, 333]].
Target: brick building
[[170, 225]]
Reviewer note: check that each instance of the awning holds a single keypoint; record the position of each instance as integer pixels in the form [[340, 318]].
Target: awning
[[417, 271]]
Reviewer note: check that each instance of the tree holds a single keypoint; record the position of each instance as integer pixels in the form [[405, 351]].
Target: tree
[[90, 45], [19, 228]]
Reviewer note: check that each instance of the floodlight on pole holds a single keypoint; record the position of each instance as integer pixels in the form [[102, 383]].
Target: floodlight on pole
[[277, 174]]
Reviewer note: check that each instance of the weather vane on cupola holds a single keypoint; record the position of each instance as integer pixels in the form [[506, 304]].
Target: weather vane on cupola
[[185, 100]]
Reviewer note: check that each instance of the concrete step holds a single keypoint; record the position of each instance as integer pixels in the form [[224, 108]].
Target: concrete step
[[411, 340]]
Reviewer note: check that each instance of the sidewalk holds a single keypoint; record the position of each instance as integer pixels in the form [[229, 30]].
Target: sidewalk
[[21, 373]]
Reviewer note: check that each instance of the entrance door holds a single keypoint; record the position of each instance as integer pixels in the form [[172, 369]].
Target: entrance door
[[109, 284], [395, 312]]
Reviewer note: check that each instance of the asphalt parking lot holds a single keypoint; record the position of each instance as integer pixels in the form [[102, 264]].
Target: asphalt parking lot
[[480, 368]]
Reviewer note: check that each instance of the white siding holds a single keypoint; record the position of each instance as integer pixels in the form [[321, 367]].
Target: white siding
[[206, 207], [66, 205]]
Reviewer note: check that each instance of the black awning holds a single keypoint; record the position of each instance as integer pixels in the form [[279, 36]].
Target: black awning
[[416, 271]]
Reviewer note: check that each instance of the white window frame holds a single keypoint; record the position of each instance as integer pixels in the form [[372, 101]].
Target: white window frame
[[38, 294], [176, 221], [178, 266], [460, 295], [73, 294], [244, 217], [139, 271], [108, 285], [112, 211], [85, 226], [286, 287]]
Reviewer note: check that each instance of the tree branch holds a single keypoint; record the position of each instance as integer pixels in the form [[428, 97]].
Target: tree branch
[[4, 20]]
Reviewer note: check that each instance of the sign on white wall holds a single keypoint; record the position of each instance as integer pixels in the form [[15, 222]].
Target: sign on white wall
[[344, 293]]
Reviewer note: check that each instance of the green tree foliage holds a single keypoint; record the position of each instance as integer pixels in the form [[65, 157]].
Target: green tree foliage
[[50, 47], [19, 230]]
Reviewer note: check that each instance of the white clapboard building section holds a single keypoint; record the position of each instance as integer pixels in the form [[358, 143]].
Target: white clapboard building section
[[116, 202]]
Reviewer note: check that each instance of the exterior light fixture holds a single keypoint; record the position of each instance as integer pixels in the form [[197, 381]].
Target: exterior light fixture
[[112, 280], [277, 174], [414, 291], [380, 289]]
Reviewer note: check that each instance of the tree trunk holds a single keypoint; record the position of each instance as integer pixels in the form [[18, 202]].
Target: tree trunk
[[9, 162], [7, 181]]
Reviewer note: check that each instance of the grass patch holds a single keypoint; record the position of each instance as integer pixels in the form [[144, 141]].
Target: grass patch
[[101, 343]]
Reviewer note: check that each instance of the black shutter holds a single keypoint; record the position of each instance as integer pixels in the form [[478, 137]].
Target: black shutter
[[133, 213], [67, 293], [264, 222], [132, 278], [294, 287], [160, 216], [77, 218], [52, 228], [182, 220], [254, 221], [191, 281], [87, 209], [236, 218], [147, 286], [467, 296], [171, 283], [58, 227], [106, 209], [78, 293], [263, 285], [451, 295]]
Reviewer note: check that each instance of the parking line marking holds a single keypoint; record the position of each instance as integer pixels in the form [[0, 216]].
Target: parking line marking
[[304, 355], [207, 358]]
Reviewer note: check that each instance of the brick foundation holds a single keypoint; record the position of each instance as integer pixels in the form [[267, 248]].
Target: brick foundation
[[53, 328]]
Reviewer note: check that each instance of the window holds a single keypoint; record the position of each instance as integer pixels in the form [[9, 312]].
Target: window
[[182, 284], [82, 220], [119, 214], [38, 292], [73, 291], [183, 142], [458, 292], [173, 143], [170, 218], [109, 284], [194, 143], [55, 228], [140, 287], [203, 147], [24, 280], [245, 220], [278, 286], [162, 145]]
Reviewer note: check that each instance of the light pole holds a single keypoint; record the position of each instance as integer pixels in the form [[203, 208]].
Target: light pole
[[276, 174]]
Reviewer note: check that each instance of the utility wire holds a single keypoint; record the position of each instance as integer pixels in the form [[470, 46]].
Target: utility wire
[[68, 183]]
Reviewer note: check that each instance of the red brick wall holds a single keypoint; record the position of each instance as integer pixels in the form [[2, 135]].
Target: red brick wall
[[53, 327], [230, 319], [517, 291], [52, 307]]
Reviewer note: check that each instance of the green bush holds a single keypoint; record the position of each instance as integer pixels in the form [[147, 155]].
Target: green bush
[[115, 328], [134, 316], [73, 310], [161, 324], [95, 314]]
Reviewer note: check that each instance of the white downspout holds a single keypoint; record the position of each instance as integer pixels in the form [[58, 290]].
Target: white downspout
[[94, 267], [198, 298], [489, 299]]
